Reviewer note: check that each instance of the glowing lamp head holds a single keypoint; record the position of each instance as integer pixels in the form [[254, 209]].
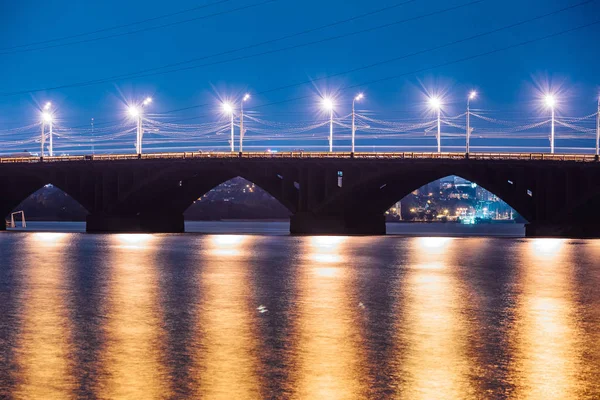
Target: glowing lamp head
[[360, 96], [147, 101], [47, 106], [227, 108], [550, 101], [328, 104], [134, 111], [246, 97], [435, 103], [472, 95], [46, 117]]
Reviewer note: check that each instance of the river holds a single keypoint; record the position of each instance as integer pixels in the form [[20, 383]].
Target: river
[[240, 316]]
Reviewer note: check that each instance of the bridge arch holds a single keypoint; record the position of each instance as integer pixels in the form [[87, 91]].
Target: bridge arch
[[236, 198], [464, 193], [176, 190], [376, 191]]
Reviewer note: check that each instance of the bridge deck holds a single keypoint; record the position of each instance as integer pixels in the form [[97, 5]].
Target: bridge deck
[[311, 155]]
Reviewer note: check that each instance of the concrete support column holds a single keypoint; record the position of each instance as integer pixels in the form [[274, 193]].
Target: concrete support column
[[154, 223], [307, 223]]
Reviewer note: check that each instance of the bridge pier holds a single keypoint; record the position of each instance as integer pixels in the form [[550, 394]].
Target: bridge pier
[[306, 223], [563, 230], [160, 223]]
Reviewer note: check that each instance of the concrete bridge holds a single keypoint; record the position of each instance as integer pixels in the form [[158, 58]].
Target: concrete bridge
[[327, 193]]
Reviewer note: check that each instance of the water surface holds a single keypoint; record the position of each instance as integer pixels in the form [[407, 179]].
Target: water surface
[[251, 316]]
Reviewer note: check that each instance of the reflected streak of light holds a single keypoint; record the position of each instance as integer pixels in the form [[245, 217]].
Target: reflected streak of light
[[325, 250], [228, 245], [44, 238], [437, 243], [328, 359], [435, 364], [228, 357], [544, 337], [130, 361], [134, 240], [43, 351]]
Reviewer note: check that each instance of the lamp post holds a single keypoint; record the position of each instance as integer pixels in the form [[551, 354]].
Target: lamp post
[[228, 109], [357, 98], [328, 105], [436, 104], [551, 103], [137, 112], [472, 96], [246, 98], [47, 119]]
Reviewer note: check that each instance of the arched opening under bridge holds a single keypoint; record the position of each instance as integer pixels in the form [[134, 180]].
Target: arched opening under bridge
[[455, 206], [48, 206], [241, 204]]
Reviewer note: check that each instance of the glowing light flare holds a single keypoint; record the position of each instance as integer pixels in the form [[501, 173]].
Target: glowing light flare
[[47, 117], [227, 108], [147, 101], [47, 106], [133, 111], [550, 100], [328, 104], [359, 97], [435, 103], [472, 95], [246, 97]]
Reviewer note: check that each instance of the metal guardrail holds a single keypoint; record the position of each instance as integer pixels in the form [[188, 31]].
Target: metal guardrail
[[309, 155]]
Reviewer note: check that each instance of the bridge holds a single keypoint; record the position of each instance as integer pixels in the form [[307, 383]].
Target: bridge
[[326, 193]]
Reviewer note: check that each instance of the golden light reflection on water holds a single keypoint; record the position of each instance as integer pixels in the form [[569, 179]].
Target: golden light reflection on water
[[227, 359], [130, 361], [45, 369], [327, 329], [546, 353], [228, 245], [433, 329]]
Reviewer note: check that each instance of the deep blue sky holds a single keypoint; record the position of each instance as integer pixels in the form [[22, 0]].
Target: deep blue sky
[[505, 80]]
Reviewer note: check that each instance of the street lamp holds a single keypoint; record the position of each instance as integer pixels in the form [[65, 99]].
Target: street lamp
[[246, 98], [228, 109], [47, 119], [137, 112], [550, 101], [436, 104], [472, 96], [359, 97], [328, 105]]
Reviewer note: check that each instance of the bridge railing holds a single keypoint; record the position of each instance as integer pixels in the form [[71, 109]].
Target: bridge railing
[[311, 155]]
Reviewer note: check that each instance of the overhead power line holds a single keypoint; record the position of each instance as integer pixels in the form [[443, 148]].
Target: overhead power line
[[113, 27], [143, 29], [420, 52], [135, 75]]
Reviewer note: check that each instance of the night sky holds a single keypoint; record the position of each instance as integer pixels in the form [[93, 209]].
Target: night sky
[[506, 80]]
